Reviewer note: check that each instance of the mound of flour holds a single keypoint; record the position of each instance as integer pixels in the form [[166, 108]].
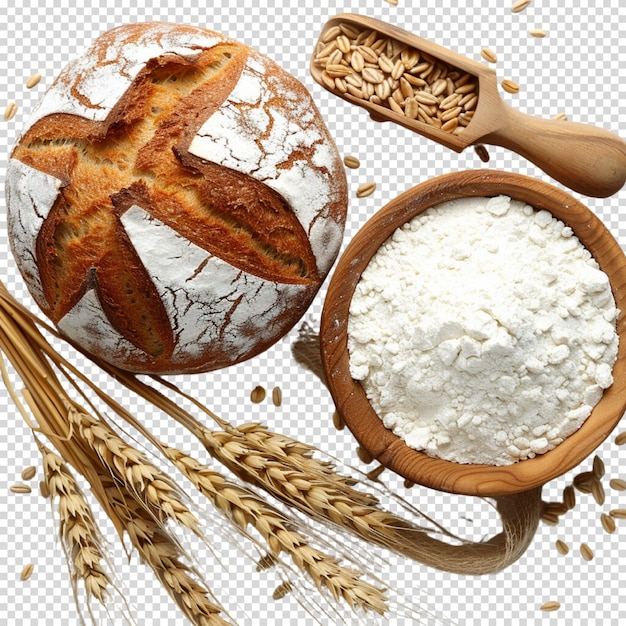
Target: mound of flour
[[483, 331]]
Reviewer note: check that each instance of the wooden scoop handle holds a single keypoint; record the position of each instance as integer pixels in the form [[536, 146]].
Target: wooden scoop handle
[[587, 159]]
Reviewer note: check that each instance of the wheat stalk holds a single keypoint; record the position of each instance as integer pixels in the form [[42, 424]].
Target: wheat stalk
[[131, 467], [163, 554], [245, 508], [80, 536], [286, 469]]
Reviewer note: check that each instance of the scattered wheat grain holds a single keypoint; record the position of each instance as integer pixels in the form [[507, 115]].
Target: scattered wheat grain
[[586, 552], [569, 497], [43, 489], [550, 518], [598, 467], [352, 162], [520, 6], [482, 153], [618, 513], [366, 189], [598, 493], [266, 562], [258, 394], [618, 484], [20, 488], [277, 396], [27, 571], [620, 439], [558, 508], [282, 590], [538, 32], [510, 86], [584, 482], [33, 80], [392, 2], [608, 523], [10, 111], [28, 473], [551, 605], [561, 547], [488, 55], [408, 484]]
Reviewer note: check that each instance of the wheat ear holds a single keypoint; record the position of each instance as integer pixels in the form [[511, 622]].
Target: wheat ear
[[80, 536], [131, 467], [294, 479], [163, 554], [245, 508]]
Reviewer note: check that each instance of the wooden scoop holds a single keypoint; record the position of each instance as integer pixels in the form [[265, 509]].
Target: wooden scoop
[[587, 159]]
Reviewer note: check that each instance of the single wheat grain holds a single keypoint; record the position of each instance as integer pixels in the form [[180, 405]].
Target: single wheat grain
[[520, 6], [28, 473], [33, 80], [569, 497], [586, 552], [608, 523], [488, 55], [598, 467], [277, 396], [352, 162], [10, 111], [598, 493], [366, 189], [20, 488], [584, 482], [510, 86], [258, 394], [282, 590], [27, 571]]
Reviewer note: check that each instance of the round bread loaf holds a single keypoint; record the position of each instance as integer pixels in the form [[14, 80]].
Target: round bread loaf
[[175, 201]]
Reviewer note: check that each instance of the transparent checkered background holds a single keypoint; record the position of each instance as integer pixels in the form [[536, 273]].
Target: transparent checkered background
[[577, 69]]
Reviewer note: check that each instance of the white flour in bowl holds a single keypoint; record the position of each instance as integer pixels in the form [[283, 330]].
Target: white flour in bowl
[[483, 331]]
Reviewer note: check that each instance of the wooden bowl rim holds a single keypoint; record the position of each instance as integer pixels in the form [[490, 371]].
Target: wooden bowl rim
[[348, 394]]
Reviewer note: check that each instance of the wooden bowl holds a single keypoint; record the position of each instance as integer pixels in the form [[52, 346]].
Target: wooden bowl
[[350, 398]]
